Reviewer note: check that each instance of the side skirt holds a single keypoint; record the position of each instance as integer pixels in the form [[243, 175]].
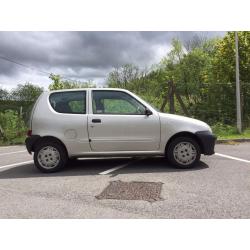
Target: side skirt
[[120, 154]]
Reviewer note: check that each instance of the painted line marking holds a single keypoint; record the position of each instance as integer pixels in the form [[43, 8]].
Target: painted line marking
[[16, 164], [119, 167], [232, 157], [11, 146], [16, 152], [113, 169]]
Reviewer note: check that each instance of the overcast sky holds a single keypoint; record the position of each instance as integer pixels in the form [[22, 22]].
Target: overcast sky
[[80, 55]]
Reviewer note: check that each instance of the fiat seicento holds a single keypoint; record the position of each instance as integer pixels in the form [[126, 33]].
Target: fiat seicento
[[68, 124]]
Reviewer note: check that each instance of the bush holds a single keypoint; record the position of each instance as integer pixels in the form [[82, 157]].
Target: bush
[[13, 126], [224, 130]]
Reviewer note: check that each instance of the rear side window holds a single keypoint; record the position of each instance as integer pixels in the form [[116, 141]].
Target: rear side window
[[72, 102]]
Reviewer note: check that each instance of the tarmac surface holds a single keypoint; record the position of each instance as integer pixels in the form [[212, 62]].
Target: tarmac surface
[[218, 187]]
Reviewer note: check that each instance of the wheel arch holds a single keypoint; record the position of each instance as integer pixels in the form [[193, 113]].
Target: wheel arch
[[184, 134], [49, 138]]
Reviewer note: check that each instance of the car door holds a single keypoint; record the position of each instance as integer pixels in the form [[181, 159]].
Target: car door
[[118, 123]]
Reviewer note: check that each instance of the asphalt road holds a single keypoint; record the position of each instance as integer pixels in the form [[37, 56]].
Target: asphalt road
[[219, 187]]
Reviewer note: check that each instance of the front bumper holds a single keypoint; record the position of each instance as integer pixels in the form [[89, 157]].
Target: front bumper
[[207, 141], [30, 141]]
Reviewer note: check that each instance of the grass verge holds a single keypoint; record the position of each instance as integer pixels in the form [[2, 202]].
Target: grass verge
[[230, 132], [16, 141]]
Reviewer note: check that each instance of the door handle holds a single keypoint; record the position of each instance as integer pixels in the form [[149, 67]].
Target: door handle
[[96, 120]]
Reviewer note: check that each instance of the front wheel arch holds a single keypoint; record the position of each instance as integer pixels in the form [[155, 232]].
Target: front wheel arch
[[184, 134]]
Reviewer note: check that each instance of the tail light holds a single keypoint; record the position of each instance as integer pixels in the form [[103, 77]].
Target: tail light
[[29, 132]]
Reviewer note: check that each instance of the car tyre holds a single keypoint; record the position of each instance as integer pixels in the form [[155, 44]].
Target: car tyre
[[183, 152], [50, 156]]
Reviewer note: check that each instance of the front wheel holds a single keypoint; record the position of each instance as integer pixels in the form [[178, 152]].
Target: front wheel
[[50, 156], [183, 152]]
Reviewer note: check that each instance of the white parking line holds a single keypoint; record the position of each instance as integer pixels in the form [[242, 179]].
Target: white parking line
[[119, 167], [113, 169], [9, 153], [232, 157], [10, 146], [16, 164]]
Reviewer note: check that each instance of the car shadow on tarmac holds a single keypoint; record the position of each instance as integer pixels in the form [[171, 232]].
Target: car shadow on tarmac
[[95, 166], [155, 165]]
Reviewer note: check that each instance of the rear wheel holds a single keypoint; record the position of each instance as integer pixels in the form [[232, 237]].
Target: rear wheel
[[50, 156], [183, 152]]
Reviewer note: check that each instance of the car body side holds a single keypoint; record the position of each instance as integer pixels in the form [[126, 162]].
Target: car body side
[[73, 130]]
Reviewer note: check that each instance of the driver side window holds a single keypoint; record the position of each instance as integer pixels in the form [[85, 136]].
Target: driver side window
[[116, 102]]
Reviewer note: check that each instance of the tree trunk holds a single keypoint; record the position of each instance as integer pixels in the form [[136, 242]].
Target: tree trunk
[[165, 100], [171, 97], [2, 135], [185, 110]]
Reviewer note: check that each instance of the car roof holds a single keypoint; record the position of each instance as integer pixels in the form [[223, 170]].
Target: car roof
[[80, 89]]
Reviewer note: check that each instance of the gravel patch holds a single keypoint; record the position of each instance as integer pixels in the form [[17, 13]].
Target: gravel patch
[[119, 190]]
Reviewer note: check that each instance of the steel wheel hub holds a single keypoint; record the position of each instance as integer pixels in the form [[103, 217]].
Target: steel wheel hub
[[185, 153], [48, 157]]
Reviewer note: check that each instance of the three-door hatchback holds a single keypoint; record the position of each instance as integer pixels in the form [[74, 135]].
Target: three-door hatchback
[[73, 123]]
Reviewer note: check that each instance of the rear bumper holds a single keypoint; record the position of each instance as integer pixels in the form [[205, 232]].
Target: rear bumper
[[30, 141], [207, 141]]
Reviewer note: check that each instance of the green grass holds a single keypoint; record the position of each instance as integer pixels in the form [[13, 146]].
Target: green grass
[[16, 141], [230, 132], [244, 135]]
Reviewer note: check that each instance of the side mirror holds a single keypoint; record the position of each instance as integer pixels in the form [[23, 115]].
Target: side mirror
[[148, 112]]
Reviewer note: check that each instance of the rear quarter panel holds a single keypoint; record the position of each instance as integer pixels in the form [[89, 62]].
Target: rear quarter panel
[[71, 129]]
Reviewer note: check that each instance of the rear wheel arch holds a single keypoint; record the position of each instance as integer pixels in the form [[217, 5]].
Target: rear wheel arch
[[50, 139], [50, 154], [184, 134]]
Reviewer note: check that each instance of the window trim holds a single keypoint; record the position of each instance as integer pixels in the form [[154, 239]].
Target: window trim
[[92, 99], [71, 91]]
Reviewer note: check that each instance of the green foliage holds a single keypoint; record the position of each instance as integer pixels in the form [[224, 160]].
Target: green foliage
[[149, 84], [118, 106], [20, 99], [203, 73], [58, 83], [26, 92], [15, 107], [123, 77], [223, 130], [224, 57], [229, 132], [223, 68], [4, 94], [13, 126]]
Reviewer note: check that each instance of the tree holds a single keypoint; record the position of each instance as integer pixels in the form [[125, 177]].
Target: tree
[[223, 69], [202, 77], [58, 83], [224, 58], [195, 42], [171, 66], [4, 94], [27, 92], [122, 77], [147, 83]]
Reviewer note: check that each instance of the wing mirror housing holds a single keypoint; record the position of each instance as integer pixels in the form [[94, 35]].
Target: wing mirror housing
[[148, 112]]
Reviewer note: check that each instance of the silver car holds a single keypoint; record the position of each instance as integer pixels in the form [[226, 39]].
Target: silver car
[[96, 122]]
